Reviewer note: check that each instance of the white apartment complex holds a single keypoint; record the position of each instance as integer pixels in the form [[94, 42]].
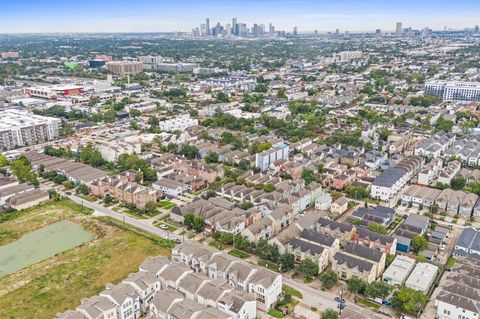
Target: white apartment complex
[[179, 123], [348, 55], [454, 91], [21, 128]]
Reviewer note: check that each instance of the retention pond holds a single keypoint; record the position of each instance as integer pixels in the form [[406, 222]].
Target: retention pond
[[40, 245]]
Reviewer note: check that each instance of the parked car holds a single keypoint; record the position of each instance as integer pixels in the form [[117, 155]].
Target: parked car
[[165, 236], [337, 299], [163, 226], [341, 306], [175, 240]]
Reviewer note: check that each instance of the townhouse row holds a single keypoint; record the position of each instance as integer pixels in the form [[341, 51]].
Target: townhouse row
[[124, 189], [450, 201], [197, 283]]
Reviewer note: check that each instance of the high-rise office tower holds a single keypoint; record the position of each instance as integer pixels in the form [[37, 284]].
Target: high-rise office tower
[[271, 29], [228, 29], [234, 26], [295, 30], [207, 26], [398, 29], [378, 33]]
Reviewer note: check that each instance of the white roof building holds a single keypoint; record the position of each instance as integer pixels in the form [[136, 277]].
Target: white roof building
[[422, 277], [399, 270]]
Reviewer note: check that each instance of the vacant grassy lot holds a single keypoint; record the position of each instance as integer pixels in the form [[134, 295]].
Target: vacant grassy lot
[[60, 282]]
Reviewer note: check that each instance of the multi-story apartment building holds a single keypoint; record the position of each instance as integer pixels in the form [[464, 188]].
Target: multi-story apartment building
[[20, 128], [454, 91], [278, 151], [392, 180], [124, 67]]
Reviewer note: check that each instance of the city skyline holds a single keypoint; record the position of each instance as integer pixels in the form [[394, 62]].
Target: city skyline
[[157, 16]]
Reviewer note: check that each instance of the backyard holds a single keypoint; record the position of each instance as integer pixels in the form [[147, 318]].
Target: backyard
[[60, 282]]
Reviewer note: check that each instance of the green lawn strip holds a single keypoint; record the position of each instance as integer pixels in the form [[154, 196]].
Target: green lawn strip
[[292, 291], [165, 204], [275, 313], [217, 245], [368, 303], [268, 264], [238, 253]]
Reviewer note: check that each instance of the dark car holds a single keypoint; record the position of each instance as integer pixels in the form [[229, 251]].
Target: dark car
[[341, 306], [337, 299]]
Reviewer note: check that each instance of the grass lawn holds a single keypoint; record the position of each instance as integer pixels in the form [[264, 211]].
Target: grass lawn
[[275, 313], [165, 204], [373, 305], [216, 244], [132, 213], [268, 264], [394, 224], [292, 291], [59, 283], [450, 262], [238, 253]]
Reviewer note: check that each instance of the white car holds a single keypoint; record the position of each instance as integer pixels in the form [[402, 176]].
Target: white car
[[165, 236], [163, 226]]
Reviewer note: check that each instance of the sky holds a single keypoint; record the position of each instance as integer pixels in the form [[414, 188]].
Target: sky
[[32, 16]]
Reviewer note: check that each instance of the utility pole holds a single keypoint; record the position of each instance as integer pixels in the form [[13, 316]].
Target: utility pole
[[341, 304]]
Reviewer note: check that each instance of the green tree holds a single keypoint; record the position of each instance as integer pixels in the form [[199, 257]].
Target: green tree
[[211, 157], [308, 267], [134, 125], [139, 177], [329, 314], [409, 301], [282, 93], [419, 243], [22, 169], [198, 223], [135, 113], [328, 279], [378, 289], [3, 161], [108, 199], [356, 285], [357, 192], [59, 179], [68, 184], [153, 121], [150, 208], [286, 262], [222, 97], [83, 189], [308, 176], [458, 183], [92, 156], [109, 116], [444, 124], [377, 228], [189, 151], [261, 87], [188, 219]]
